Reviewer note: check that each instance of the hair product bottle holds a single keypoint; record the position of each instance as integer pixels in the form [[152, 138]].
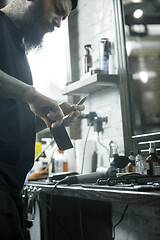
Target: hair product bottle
[[87, 58], [104, 52], [139, 165], [131, 164], [152, 159]]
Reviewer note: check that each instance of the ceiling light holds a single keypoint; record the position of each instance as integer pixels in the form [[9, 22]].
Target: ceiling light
[[143, 76], [138, 13], [136, 1]]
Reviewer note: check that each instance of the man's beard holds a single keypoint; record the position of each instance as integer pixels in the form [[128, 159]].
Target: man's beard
[[32, 27]]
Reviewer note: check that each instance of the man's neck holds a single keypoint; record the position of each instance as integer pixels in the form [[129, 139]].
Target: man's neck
[[15, 11]]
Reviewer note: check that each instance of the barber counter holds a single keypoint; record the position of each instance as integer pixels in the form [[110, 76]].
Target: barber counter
[[92, 212]]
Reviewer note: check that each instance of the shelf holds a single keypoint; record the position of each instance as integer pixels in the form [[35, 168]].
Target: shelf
[[91, 84]]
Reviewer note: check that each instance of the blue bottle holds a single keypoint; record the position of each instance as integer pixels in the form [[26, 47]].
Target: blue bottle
[[105, 51]]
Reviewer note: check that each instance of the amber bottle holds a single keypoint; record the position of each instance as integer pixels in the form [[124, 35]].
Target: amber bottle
[[131, 165], [152, 160]]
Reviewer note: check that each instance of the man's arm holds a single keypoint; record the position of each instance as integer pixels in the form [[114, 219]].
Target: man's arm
[[11, 87]]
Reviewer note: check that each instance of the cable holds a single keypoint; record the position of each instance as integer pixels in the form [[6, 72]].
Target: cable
[[36, 175], [102, 143], [80, 220], [53, 212], [119, 221], [85, 146], [51, 141]]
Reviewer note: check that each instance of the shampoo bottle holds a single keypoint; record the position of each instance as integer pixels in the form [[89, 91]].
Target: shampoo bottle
[[87, 58], [105, 52], [152, 160]]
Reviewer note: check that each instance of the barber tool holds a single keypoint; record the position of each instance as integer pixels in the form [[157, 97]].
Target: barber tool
[[67, 120], [61, 137], [59, 133], [120, 161]]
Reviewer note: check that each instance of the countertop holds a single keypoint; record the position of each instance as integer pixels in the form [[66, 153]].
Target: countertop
[[140, 194]]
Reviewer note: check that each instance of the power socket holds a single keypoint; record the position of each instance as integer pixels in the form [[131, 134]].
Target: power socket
[[108, 123]]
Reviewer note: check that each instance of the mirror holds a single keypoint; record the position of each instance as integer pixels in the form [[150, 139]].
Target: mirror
[[142, 30]]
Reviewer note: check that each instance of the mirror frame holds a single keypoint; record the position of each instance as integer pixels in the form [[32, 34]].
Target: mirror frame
[[131, 142], [124, 84]]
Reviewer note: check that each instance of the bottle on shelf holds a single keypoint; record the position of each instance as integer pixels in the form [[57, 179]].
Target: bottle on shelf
[[152, 160], [87, 58], [65, 164], [52, 166], [139, 164], [113, 150], [58, 161], [105, 52], [94, 161], [38, 148], [131, 164], [158, 154]]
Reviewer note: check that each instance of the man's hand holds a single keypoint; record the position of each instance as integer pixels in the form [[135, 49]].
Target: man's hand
[[54, 116], [11, 87], [72, 110], [38, 104]]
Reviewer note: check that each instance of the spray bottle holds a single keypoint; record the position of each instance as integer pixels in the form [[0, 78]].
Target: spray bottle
[[87, 58]]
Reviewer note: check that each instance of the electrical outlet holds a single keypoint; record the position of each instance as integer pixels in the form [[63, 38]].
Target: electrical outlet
[[108, 124]]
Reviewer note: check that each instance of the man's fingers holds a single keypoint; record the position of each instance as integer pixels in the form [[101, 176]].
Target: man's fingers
[[52, 124], [55, 117], [56, 124], [47, 122], [76, 110], [74, 114], [78, 107], [68, 109]]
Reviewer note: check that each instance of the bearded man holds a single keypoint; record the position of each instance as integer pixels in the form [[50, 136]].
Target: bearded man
[[23, 24]]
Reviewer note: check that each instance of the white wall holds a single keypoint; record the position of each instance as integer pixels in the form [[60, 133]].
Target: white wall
[[91, 21]]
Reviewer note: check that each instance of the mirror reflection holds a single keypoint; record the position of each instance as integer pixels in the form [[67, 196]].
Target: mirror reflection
[[142, 19]]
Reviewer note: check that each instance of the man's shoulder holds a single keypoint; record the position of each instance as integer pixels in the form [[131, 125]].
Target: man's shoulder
[[2, 21], [2, 16], [5, 26]]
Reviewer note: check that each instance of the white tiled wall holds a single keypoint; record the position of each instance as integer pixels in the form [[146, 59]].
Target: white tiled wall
[[93, 20]]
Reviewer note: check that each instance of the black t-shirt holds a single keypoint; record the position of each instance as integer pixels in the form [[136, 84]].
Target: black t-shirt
[[17, 122]]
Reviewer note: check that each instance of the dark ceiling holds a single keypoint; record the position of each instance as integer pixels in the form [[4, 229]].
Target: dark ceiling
[[151, 9]]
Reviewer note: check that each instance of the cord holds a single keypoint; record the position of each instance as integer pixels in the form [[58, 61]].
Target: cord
[[51, 141], [50, 208], [80, 220], [102, 143], [85, 146], [53, 212], [119, 221], [36, 175]]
